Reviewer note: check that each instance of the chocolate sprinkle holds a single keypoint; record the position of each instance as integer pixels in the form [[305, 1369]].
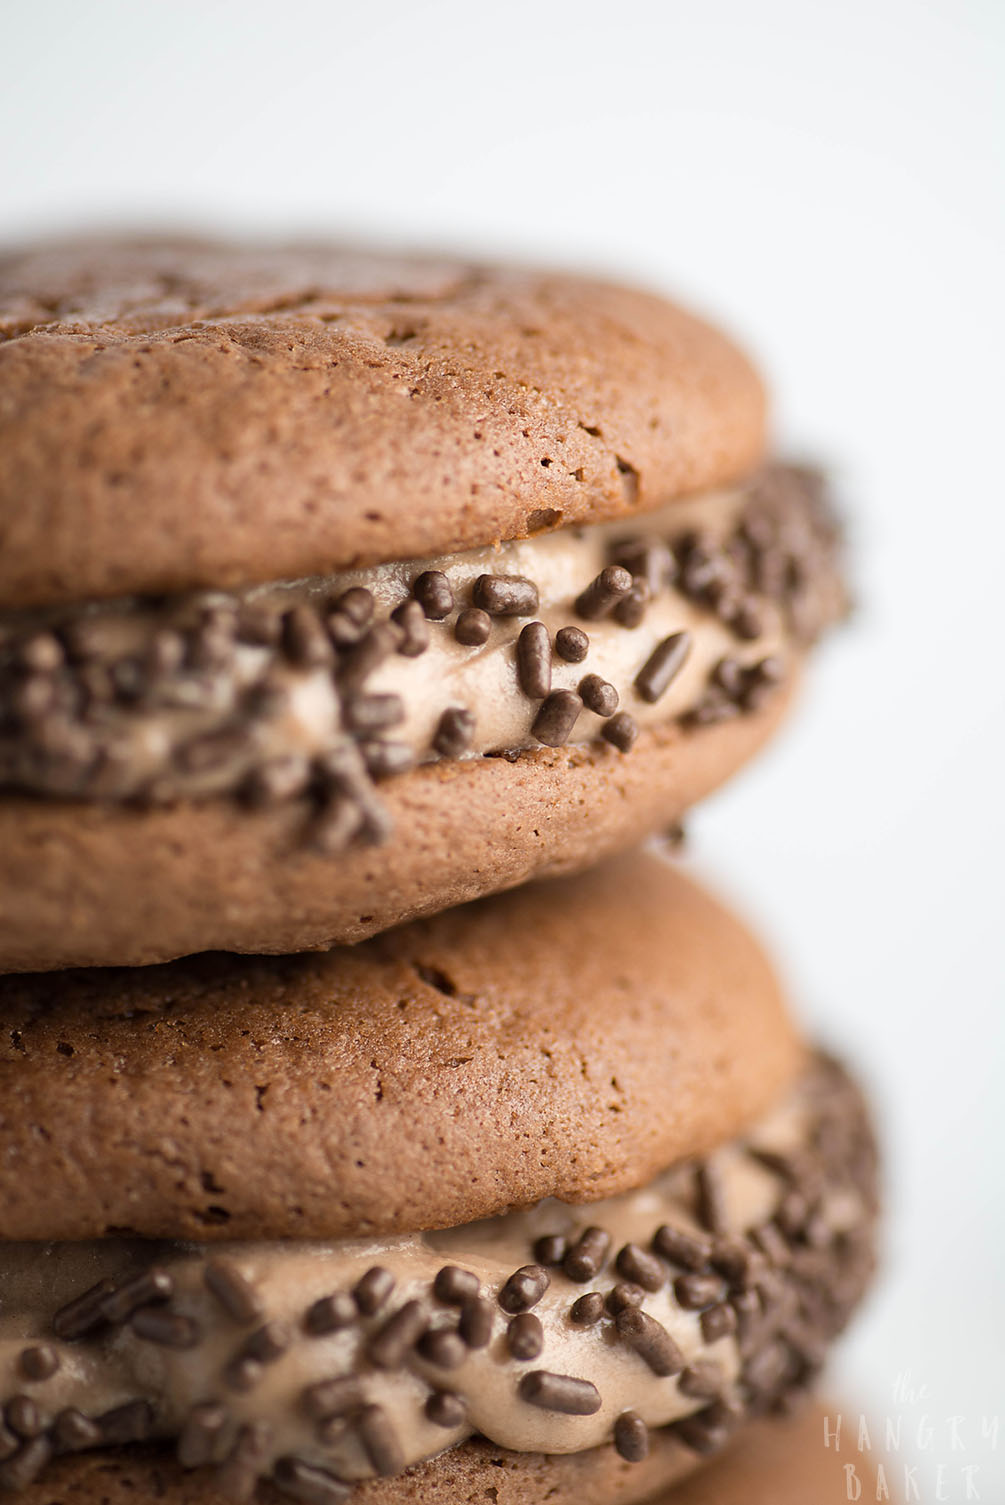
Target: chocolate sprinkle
[[132, 1422], [505, 595], [533, 660], [603, 593], [772, 1245], [691, 1250], [330, 1398], [357, 664], [524, 1288], [598, 696], [699, 1435], [269, 1343], [343, 630], [454, 1285], [695, 1291], [587, 1310], [765, 1369], [238, 1475], [380, 1440], [308, 1484], [26, 1465], [39, 1362], [383, 759], [200, 1439], [713, 707], [338, 821], [650, 1340], [638, 1265], [746, 621], [23, 1416], [243, 1373], [342, 772], [443, 1348], [148, 1286], [737, 1261], [648, 560], [551, 1249], [662, 666], [166, 1329], [472, 627], [233, 1290], [329, 1314], [572, 644], [560, 1392], [255, 625], [454, 732], [72, 1431], [367, 714], [388, 1347], [621, 731], [711, 1199], [476, 1322], [83, 1314], [433, 592], [305, 642], [556, 718], [747, 1306], [445, 1409], [620, 1297], [717, 1321], [631, 1437], [411, 618], [372, 1290], [525, 1336], [631, 609], [588, 1254], [702, 1380], [357, 604]]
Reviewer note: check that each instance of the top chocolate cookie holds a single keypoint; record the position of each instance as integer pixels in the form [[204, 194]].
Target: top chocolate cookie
[[181, 415]]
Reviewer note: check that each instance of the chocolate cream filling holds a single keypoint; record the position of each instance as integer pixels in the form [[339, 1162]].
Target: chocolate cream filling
[[707, 1296], [322, 687]]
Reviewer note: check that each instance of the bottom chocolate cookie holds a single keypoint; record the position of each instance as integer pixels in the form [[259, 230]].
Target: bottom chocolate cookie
[[772, 1462], [574, 1354], [540, 1200]]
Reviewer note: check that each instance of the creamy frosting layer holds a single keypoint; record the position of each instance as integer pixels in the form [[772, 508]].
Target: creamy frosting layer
[[321, 686], [691, 1302]]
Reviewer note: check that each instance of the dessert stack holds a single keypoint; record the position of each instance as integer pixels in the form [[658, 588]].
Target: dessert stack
[[377, 1121]]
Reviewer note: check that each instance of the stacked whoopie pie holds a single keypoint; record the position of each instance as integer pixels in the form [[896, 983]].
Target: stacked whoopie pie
[[342, 592]]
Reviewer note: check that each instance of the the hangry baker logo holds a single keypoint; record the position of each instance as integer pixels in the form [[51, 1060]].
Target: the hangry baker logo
[[914, 1453]]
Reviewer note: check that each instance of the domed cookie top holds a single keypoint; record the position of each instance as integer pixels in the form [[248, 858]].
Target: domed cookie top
[[183, 414], [568, 1039]]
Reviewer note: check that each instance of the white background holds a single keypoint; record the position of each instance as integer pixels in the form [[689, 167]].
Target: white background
[[827, 179]]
